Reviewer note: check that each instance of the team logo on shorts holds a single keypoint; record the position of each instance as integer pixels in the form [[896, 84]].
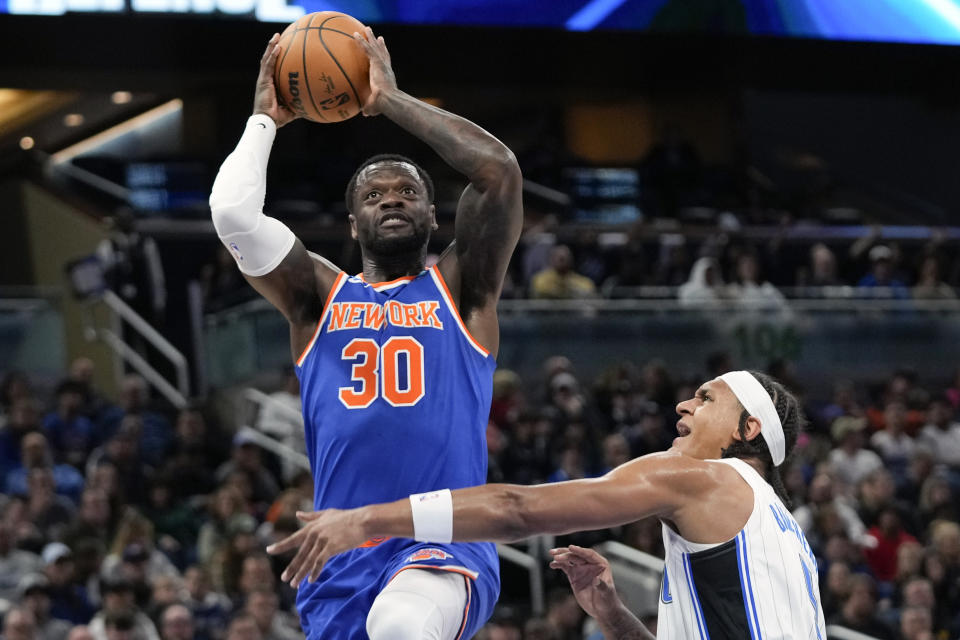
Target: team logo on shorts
[[429, 554], [235, 250]]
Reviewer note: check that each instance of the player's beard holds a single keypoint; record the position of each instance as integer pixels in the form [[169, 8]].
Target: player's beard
[[395, 246]]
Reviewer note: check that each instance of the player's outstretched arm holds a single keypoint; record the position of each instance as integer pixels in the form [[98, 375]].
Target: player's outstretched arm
[[270, 257], [490, 212], [592, 583], [657, 484]]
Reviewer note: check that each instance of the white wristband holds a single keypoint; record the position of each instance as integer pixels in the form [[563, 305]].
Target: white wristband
[[432, 516]]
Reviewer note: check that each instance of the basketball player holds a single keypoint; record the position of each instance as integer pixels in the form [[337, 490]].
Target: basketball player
[[737, 564], [396, 362]]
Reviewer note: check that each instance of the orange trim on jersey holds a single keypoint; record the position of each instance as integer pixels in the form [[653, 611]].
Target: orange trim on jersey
[[372, 542], [456, 312], [381, 284], [468, 576], [461, 570], [466, 610], [323, 314]]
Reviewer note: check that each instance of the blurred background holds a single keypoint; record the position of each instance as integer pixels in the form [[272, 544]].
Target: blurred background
[[709, 185]]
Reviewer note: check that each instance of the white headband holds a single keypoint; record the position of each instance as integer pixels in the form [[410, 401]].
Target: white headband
[[758, 404]]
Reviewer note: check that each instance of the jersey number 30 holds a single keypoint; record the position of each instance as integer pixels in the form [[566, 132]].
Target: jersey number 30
[[377, 372]]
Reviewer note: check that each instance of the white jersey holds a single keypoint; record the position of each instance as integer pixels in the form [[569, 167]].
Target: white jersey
[[761, 585]]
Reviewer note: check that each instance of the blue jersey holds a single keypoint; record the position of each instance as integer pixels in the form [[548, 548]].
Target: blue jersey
[[396, 397]]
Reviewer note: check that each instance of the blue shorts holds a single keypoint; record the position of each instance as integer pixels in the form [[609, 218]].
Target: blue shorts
[[336, 605]]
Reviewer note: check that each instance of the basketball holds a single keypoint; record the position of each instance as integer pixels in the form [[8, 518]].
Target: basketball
[[322, 74]]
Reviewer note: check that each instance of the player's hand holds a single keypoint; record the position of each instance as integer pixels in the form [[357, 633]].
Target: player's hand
[[326, 534], [590, 578], [265, 100], [382, 78]]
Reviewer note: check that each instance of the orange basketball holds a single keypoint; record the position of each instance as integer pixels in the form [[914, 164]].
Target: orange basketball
[[322, 73]]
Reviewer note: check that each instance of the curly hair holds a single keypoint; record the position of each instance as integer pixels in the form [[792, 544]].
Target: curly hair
[[793, 421], [395, 158]]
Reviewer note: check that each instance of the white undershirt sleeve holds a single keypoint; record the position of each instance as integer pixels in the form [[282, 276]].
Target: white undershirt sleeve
[[257, 242]]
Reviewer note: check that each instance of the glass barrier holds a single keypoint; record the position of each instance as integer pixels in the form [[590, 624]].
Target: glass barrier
[[824, 339], [32, 337]]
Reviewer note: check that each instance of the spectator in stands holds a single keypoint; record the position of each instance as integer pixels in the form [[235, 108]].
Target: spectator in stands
[[844, 403], [887, 536], [23, 417], [256, 570], [196, 451], [123, 451], [223, 504], [81, 632], [176, 623], [892, 443], [19, 624], [916, 623], [176, 523], [262, 605], [822, 496], [244, 626], [120, 613], [564, 615], [500, 630], [849, 460], [877, 491], [526, 460], [705, 285], [14, 563], [94, 518], [247, 460], [859, 610], [835, 589], [71, 433], [227, 562], [918, 592], [155, 433], [751, 291], [82, 372], [941, 433], [164, 591], [133, 553], [210, 609], [881, 277], [559, 280], [823, 267], [673, 261], [35, 453], [616, 451], [937, 500], [14, 386], [35, 597], [50, 512], [921, 466], [68, 600], [929, 285], [132, 267]]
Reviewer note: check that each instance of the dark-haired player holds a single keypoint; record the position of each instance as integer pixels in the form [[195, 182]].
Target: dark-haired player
[[737, 564], [395, 363]]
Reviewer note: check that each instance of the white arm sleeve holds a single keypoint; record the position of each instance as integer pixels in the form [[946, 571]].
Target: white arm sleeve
[[257, 242]]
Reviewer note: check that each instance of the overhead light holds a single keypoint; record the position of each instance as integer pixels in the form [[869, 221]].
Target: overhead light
[[73, 119], [26, 142], [121, 97]]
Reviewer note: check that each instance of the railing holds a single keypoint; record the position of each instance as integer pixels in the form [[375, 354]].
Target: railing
[[111, 336], [836, 336], [530, 559]]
